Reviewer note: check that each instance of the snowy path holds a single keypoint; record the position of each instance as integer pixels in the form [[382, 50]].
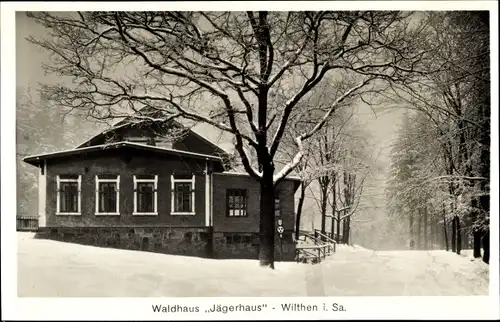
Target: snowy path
[[56, 269], [365, 272]]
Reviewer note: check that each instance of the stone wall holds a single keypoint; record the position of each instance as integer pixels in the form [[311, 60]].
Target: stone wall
[[246, 246], [186, 241]]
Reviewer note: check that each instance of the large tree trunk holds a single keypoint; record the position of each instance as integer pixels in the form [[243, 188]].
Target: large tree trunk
[[412, 231], [267, 186], [346, 202], [338, 227], [426, 235], [299, 210], [436, 232], [334, 207], [486, 247], [419, 229], [485, 206], [432, 234], [338, 212], [459, 235], [445, 231], [266, 249], [484, 199], [324, 199], [439, 236], [476, 233], [453, 234], [347, 230], [343, 230]]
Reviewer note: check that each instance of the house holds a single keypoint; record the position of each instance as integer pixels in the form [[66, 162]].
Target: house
[[138, 187]]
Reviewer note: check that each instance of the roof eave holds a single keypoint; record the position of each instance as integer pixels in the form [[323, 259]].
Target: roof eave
[[36, 159], [33, 161]]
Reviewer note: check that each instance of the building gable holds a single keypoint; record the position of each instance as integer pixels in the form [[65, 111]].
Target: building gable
[[170, 135]]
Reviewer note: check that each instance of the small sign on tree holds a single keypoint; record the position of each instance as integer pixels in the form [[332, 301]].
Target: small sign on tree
[[280, 230]]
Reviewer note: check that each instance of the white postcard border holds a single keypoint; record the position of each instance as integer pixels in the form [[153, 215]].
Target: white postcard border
[[14, 308]]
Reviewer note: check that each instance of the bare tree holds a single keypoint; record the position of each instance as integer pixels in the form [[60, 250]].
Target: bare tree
[[322, 166], [223, 68]]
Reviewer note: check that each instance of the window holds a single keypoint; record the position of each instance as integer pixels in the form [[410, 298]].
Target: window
[[145, 195], [182, 194], [69, 194], [107, 195], [277, 210], [236, 202]]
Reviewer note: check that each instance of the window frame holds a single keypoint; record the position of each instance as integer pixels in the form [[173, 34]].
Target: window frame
[[277, 202], [58, 193], [228, 193], [155, 196], [117, 181], [173, 181]]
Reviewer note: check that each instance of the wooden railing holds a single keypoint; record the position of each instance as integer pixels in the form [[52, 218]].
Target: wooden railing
[[327, 239], [313, 252], [316, 251], [333, 236], [317, 232], [27, 223], [305, 237]]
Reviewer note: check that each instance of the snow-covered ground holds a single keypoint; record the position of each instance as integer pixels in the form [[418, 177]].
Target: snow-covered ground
[[56, 269]]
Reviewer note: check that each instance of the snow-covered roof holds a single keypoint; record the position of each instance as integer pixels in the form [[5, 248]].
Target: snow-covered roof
[[35, 159], [219, 138], [213, 135]]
